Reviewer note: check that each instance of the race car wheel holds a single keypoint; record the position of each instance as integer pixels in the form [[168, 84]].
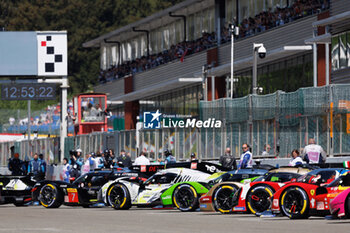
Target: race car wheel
[[118, 197], [295, 203], [50, 196], [258, 199], [223, 198], [185, 198]]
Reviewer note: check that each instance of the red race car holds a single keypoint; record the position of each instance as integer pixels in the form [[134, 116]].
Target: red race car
[[311, 194], [223, 197]]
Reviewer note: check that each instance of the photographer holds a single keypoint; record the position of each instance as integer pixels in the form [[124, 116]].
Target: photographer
[[108, 159], [76, 162]]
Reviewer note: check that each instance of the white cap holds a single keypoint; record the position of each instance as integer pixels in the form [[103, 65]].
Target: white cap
[[79, 150]]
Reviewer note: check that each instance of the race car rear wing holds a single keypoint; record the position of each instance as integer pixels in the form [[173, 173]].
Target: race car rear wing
[[206, 167]]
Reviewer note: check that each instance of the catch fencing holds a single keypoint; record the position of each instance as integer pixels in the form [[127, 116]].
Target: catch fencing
[[284, 121]]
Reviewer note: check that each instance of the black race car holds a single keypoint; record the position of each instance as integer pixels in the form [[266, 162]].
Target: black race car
[[83, 191], [16, 189]]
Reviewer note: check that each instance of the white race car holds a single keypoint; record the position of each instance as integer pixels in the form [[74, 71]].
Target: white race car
[[124, 192]]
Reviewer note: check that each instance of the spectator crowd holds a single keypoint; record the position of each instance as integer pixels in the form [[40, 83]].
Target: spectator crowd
[[249, 26]]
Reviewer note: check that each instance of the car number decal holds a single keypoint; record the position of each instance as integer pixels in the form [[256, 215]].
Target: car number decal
[[72, 195]]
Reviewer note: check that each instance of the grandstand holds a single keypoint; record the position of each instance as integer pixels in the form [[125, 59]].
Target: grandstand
[[161, 66], [46, 121]]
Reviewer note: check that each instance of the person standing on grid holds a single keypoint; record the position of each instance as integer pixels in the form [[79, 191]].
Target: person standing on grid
[[314, 153], [246, 160]]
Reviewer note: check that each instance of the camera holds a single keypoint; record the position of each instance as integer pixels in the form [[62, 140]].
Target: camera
[[262, 52], [72, 153]]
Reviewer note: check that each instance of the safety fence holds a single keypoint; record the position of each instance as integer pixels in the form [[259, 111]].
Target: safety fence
[[49, 147], [284, 121]]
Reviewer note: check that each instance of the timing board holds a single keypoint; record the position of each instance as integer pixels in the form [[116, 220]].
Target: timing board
[[41, 53]]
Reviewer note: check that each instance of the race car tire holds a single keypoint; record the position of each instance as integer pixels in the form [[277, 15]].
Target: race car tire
[[257, 199], [223, 198], [50, 196], [185, 198], [118, 197], [294, 203]]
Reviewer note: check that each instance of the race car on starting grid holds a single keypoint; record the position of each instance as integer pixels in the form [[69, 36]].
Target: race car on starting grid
[[228, 197], [124, 192], [340, 205], [186, 199], [16, 189], [311, 194], [82, 192]]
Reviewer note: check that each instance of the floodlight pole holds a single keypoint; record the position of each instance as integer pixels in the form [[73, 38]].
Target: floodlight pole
[[255, 64], [29, 116], [64, 120], [256, 46], [232, 54], [64, 114], [234, 31]]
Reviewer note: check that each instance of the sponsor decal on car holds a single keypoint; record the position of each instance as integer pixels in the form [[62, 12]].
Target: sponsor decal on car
[[332, 195], [312, 203], [167, 197], [320, 206], [203, 206], [312, 192], [275, 202], [193, 165], [212, 169], [239, 208]]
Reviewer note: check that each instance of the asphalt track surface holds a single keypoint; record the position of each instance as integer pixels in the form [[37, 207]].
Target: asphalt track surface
[[77, 219]]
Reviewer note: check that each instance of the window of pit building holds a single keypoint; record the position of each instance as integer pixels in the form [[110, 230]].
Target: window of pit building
[[92, 109]]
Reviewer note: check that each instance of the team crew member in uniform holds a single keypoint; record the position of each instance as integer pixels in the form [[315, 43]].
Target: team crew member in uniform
[[296, 159], [35, 167], [16, 166], [193, 157], [227, 160], [314, 153], [246, 160], [99, 163], [169, 158], [142, 160], [65, 170], [43, 165]]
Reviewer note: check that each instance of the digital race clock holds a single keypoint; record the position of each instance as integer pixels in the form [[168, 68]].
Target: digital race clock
[[28, 91]]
